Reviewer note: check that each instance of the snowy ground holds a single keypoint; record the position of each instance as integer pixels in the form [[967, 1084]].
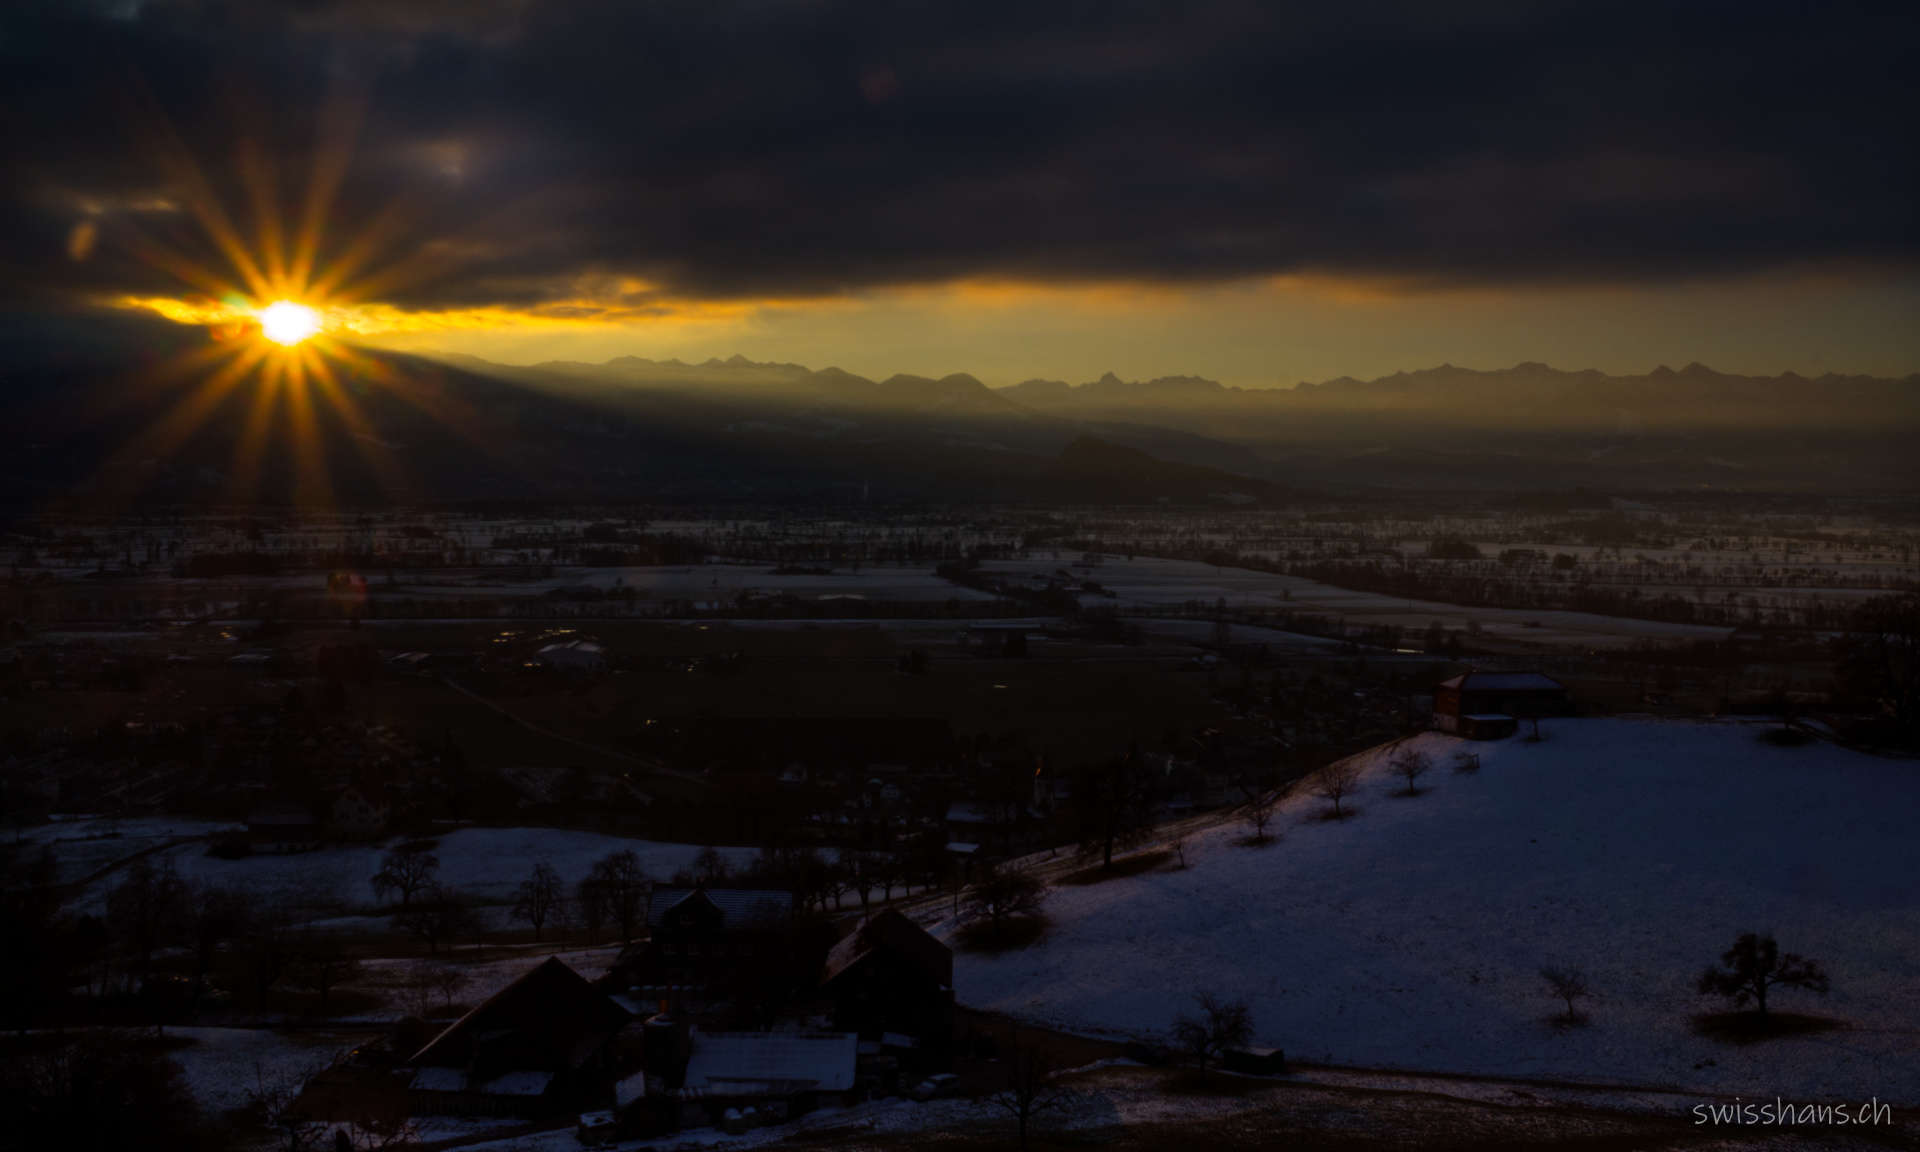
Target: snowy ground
[[1125, 1105], [1411, 935], [224, 1065], [83, 846]]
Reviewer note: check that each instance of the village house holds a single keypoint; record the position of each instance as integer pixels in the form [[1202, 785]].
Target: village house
[[540, 1044], [360, 811]]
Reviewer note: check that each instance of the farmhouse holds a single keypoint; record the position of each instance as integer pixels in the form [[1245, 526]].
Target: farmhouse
[[694, 1078], [1488, 705], [702, 934], [534, 1046], [889, 976], [360, 811]]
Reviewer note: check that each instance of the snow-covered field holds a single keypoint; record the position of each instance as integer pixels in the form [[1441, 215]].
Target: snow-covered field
[[1410, 936], [225, 1065], [83, 846]]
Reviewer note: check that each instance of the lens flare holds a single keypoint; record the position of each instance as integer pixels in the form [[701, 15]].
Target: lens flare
[[285, 322]]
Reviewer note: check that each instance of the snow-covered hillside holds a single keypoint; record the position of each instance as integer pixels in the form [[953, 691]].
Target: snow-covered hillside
[[1411, 935]]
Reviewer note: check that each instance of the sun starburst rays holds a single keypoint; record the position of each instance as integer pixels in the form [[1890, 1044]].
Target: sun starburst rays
[[276, 300]]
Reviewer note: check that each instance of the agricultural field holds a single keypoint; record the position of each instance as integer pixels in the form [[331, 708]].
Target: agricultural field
[[1411, 932]]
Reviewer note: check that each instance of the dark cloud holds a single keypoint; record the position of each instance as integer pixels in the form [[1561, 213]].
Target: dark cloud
[[721, 148]]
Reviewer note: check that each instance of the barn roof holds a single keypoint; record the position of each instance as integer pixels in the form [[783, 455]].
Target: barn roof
[[1504, 682], [552, 1008], [722, 1059], [890, 931], [739, 907]]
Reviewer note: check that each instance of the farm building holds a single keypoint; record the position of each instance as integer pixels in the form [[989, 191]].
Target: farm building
[[533, 1047], [694, 1079], [890, 976], [1489, 705], [701, 934], [583, 655]]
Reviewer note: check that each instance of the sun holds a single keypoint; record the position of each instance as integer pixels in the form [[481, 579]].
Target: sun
[[285, 322]]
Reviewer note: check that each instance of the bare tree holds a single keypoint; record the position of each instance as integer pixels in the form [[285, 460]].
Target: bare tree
[[1335, 783], [417, 990], [145, 909], [1217, 1026], [1754, 966], [270, 946], [539, 897], [1569, 984], [624, 887], [1260, 812], [442, 979], [712, 865], [386, 1121], [212, 916], [274, 1100], [324, 964], [590, 901], [1178, 845], [856, 866], [1118, 807], [1410, 764], [1025, 1084], [98, 1087], [437, 915], [1003, 893], [407, 870], [888, 871]]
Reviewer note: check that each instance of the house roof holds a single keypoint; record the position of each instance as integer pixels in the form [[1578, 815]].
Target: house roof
[[1504, 682], [892, 932], [551, 1008], [739, 907], [729, 1060]]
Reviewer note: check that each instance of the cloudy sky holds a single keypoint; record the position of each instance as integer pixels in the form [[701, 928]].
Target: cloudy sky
[[1257, 192]]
